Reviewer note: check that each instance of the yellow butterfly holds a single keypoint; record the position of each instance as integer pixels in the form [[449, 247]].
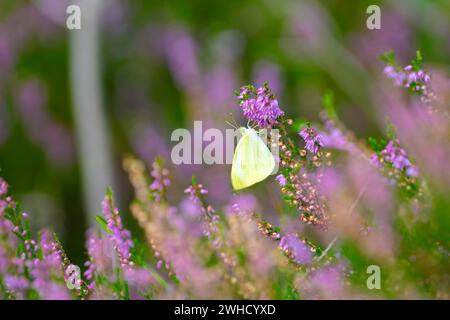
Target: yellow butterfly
[[252, 162]]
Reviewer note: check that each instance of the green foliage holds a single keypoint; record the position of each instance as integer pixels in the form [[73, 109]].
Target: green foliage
[[417, 62], [376, 145], [103, 224], [389, 58]]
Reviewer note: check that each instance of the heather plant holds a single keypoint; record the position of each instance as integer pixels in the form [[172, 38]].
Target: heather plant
[[345, 206]]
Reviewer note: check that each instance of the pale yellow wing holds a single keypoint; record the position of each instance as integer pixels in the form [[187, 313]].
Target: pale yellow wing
[[252, 161]]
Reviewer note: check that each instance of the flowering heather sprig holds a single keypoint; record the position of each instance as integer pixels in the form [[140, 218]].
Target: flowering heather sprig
[[38, 268], [16, 248], [336, 136], [196, 194], [259, 105], [3, 187], [266, 229], [281, 180], [211, 223], [140, 283], [298, 250], [304, 193], [411, 76], [312, 139], [12, 219], [408, 78], [137, 175], [160, 179], [394, 155], [47, 270], [394, 160], [99, 262], [84, 290], [120, 237], [296, 184]]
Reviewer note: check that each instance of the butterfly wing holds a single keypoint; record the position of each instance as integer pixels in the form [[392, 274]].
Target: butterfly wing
[[252, 161]]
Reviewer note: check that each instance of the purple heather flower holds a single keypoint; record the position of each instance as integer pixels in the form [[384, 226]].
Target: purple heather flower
[[45, 270], [375, 161], [120, 237], [312, 138], [160, 179], [281, 180], [245, 202], [211, 221], [16, 284], [334, 137], [139, 281], [210, 227], [259, 106], [99, 257], [194, 192], [185, 218], [298, 249], [242, 205], [329, 281], [399, 77], [397, 156], [3, 187], [416, 80], [412, 171]]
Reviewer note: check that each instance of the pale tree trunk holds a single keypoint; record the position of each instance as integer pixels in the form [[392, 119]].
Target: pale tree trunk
[[93, 140]]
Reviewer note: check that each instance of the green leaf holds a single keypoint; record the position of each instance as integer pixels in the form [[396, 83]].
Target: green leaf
[[375, 145], [158, 278], [102, 222], [417, 63], [299, 124], [388, 57], [109, 192]]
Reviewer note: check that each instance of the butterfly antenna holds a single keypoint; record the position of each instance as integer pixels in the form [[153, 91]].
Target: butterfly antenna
[[234, 123], [253, 126], [231, 125], [234, 120]]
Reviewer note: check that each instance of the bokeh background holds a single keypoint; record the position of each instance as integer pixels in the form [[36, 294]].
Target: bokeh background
[[160, 65]]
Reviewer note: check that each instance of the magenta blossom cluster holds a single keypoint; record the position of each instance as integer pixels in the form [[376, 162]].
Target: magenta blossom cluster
[[297, 249], [120, 237], [396, 156], [281, 180], [196, 193], [312, 138], [160, 180], [99, 259], [408, 77], [3, 187], [45, 270], [259, 106]]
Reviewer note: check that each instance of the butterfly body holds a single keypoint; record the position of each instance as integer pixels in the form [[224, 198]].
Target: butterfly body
[[252, 161]]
